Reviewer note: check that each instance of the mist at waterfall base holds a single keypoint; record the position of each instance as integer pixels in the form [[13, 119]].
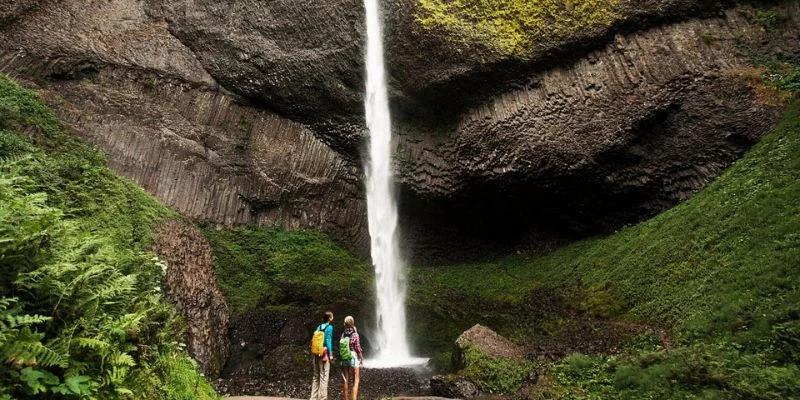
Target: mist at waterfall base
[[390, 335]]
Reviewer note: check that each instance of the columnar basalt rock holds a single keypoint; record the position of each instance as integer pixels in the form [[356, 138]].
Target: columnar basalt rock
[[212, 159], [191, 283], [251, 112], [120, 79], [623, 133]]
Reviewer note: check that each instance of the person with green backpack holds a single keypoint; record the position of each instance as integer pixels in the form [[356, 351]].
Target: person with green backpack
[[322, 350], [351, 356]]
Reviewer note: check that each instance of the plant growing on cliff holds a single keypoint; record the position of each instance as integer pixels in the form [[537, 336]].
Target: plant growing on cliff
[[781, 73], [511, 27], [81, 313]]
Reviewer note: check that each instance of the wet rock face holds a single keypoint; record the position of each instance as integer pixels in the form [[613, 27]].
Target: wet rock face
[[191, 283], [304, 58], [212, 159], [11, 10], [250, 112]]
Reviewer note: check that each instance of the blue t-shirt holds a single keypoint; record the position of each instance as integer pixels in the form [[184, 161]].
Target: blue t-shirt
[[328, 337]]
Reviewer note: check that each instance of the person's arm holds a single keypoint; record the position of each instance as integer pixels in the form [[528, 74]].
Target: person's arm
[[329, 339], [357, 346]]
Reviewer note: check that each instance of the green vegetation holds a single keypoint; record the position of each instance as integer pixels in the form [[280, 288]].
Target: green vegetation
[[150, 83], [781, 73], [708, 37], [720, 270], [495, 374], [271, 266], [770, 18], [81, 313], [512, 27]]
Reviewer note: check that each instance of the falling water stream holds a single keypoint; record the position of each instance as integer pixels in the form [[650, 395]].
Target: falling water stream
[[392, 344]]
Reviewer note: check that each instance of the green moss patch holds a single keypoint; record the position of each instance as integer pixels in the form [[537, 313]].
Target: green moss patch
[[781, 73], [495, 374], [511, 27], [259, 266]]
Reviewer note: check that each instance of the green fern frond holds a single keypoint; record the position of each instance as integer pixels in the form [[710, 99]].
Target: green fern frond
[[97, 345], [117, 288], [122, 360], [27, 348], [25, 320], [123, 326], [6, 302], [12, 159]]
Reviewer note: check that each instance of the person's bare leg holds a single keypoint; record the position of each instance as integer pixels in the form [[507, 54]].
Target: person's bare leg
[[345, 373], [356, 379]]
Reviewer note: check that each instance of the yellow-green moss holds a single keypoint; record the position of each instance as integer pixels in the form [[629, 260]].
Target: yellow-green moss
[[512, 26]]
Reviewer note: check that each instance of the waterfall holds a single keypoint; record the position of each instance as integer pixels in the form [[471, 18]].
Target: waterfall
[[391, 338]]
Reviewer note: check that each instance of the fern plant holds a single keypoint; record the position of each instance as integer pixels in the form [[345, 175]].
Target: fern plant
[[19, 343], [81, 315]]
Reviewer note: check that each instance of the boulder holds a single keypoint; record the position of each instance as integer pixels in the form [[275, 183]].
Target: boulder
[[488, 341], [453, 386]]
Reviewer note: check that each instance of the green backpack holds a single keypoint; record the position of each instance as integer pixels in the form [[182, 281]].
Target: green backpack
[[344, 348]]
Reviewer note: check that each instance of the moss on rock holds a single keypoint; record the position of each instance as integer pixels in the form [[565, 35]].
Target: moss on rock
[[495, 374], [260, 266], [511, 27]]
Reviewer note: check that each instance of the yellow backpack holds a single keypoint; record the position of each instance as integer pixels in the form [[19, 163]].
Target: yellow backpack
[[318, 341]]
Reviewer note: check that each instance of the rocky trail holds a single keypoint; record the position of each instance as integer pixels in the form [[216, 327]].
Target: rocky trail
[[288, 398], [375, 383]]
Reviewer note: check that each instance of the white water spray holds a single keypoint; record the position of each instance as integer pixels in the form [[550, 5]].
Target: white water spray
[[382, 208]]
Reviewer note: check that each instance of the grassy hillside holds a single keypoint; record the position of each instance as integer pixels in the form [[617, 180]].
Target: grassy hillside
[[721, 272], [81, 313]]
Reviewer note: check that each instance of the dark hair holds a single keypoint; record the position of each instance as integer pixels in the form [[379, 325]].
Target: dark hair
[[327, 316]]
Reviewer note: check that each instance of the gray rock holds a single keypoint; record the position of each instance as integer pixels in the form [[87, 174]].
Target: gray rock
[[191, 283], [251, 113], [453, 386], [486, 340]]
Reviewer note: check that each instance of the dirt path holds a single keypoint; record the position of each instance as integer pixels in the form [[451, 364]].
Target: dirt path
[[286, 398], [257, 398]]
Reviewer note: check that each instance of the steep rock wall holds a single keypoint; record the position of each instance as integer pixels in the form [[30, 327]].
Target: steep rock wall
[[119, 78], [250, 112], [191, 283], [618, 135], [304, 58]]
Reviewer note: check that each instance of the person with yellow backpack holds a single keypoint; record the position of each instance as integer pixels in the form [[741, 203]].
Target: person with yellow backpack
[[321, 348]]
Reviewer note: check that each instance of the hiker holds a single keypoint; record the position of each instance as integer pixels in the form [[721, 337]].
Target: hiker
[[321, 348], [351, 356]]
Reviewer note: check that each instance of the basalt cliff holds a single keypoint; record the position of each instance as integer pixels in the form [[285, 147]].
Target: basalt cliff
[[520, 133]]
